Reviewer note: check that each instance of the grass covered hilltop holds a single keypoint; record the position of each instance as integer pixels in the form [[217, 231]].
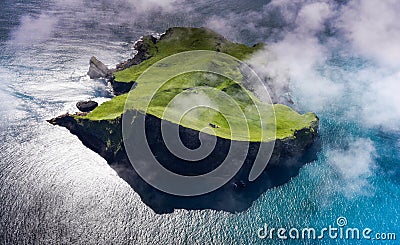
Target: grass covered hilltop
[[160, 96], [177, 40]]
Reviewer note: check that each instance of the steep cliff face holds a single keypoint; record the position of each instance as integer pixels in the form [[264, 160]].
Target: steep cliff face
[[105, 138]]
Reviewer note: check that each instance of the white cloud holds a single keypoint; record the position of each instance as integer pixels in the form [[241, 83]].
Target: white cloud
[[223, 26], [354, 166], [380, 103], [34, 29], [137, 5], [102, 14], [373, 29], [313, 16], [147, 5], [300, 58], [68, 3], [293, 61]]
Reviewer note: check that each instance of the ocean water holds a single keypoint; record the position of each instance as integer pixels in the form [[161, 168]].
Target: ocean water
[[55, 190]]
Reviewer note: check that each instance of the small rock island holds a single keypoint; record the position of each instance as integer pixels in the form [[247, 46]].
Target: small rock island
[[100, 127]]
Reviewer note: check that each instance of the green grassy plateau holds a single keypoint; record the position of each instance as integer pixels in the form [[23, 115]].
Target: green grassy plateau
[[238, 113]]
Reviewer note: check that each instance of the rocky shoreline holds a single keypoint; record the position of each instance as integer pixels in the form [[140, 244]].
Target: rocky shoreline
[[105, 138], [98, 69]]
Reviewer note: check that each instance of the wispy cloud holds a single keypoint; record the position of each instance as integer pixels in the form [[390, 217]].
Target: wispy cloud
[[294, 59], [313, 48], [90, 14], [354, 166], [373, 29], [34, 29]]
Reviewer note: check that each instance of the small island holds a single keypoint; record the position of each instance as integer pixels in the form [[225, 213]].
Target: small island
[[101, 128]]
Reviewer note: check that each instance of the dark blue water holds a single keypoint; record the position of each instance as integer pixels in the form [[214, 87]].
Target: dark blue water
[[53, 189]]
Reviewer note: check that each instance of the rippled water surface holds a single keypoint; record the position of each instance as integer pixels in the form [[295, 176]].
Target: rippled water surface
[[52, 188]]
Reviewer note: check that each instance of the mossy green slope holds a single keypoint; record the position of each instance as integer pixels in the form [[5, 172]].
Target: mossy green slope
[[259, 116], [180, 39]]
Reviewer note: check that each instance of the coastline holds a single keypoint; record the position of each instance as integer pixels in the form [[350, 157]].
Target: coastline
[[104, 136]]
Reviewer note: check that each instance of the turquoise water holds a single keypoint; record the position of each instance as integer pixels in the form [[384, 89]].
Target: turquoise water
[[54, 189]]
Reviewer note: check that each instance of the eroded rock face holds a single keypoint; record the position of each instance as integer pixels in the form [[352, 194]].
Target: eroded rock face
[[238, 194], [97, 69], [122, 87], [103, 137], [142, 54], [86, 106]]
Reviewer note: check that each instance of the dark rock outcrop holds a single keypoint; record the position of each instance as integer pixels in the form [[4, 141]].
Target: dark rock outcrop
[[142, 47], [86, 106], [98, 70], [143, 52], [121, 87]]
